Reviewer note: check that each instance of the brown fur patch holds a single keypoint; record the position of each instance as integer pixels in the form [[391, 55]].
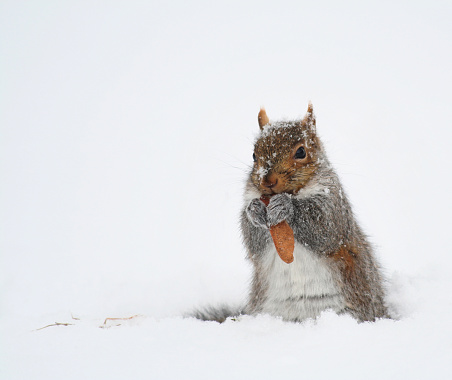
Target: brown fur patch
[[347, 259]]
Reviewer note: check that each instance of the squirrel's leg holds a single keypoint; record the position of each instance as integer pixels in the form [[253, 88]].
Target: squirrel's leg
[[255, 238]]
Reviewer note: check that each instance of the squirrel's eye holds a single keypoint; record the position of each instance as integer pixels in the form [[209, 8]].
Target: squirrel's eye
[[254, 157], [300, 153]]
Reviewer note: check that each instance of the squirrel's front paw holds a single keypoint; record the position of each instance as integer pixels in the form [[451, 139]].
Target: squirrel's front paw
[[257, 213], [280, 208]]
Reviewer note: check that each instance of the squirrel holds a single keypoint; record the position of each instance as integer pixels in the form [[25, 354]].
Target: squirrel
[[334, 267]]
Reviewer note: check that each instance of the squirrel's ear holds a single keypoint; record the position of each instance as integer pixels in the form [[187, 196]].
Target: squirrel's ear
[[309, 119], [262, 118]]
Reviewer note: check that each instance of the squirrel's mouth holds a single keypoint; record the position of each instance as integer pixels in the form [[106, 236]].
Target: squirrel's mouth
[[271, 192], [268, 191]]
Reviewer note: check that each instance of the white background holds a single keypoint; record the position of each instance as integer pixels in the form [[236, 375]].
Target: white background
[[127, 129]]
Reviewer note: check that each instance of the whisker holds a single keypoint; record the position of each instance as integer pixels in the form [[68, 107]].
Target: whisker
[[244, 170]]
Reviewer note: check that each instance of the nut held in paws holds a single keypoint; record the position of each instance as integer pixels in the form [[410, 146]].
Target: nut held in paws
[[282, 236]]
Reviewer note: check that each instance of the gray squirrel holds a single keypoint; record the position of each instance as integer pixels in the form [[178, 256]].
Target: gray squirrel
[[334, 267]]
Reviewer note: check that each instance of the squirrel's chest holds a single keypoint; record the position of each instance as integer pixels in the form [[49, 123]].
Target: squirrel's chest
[[300, 290]]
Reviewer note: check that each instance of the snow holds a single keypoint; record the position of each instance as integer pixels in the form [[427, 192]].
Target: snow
[[416, 347], [127, 131], [261, 172]]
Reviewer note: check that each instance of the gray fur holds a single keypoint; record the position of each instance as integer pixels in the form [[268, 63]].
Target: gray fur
[[218, 314], [257, 213], [280, 208]]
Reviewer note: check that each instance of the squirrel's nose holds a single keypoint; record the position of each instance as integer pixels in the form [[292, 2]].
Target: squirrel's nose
[[270, 183]]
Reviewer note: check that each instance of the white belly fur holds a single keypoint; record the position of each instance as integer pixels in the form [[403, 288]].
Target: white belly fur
[[300, 290]]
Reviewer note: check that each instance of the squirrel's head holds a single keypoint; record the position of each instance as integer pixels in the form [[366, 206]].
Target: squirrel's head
[[285, 154]]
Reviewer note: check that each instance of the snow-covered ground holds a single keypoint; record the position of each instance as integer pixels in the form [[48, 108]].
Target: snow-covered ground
[[126, 133]]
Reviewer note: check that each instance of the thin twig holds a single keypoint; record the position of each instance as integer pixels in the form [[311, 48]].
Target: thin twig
[[118, 319], [55, 324]]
